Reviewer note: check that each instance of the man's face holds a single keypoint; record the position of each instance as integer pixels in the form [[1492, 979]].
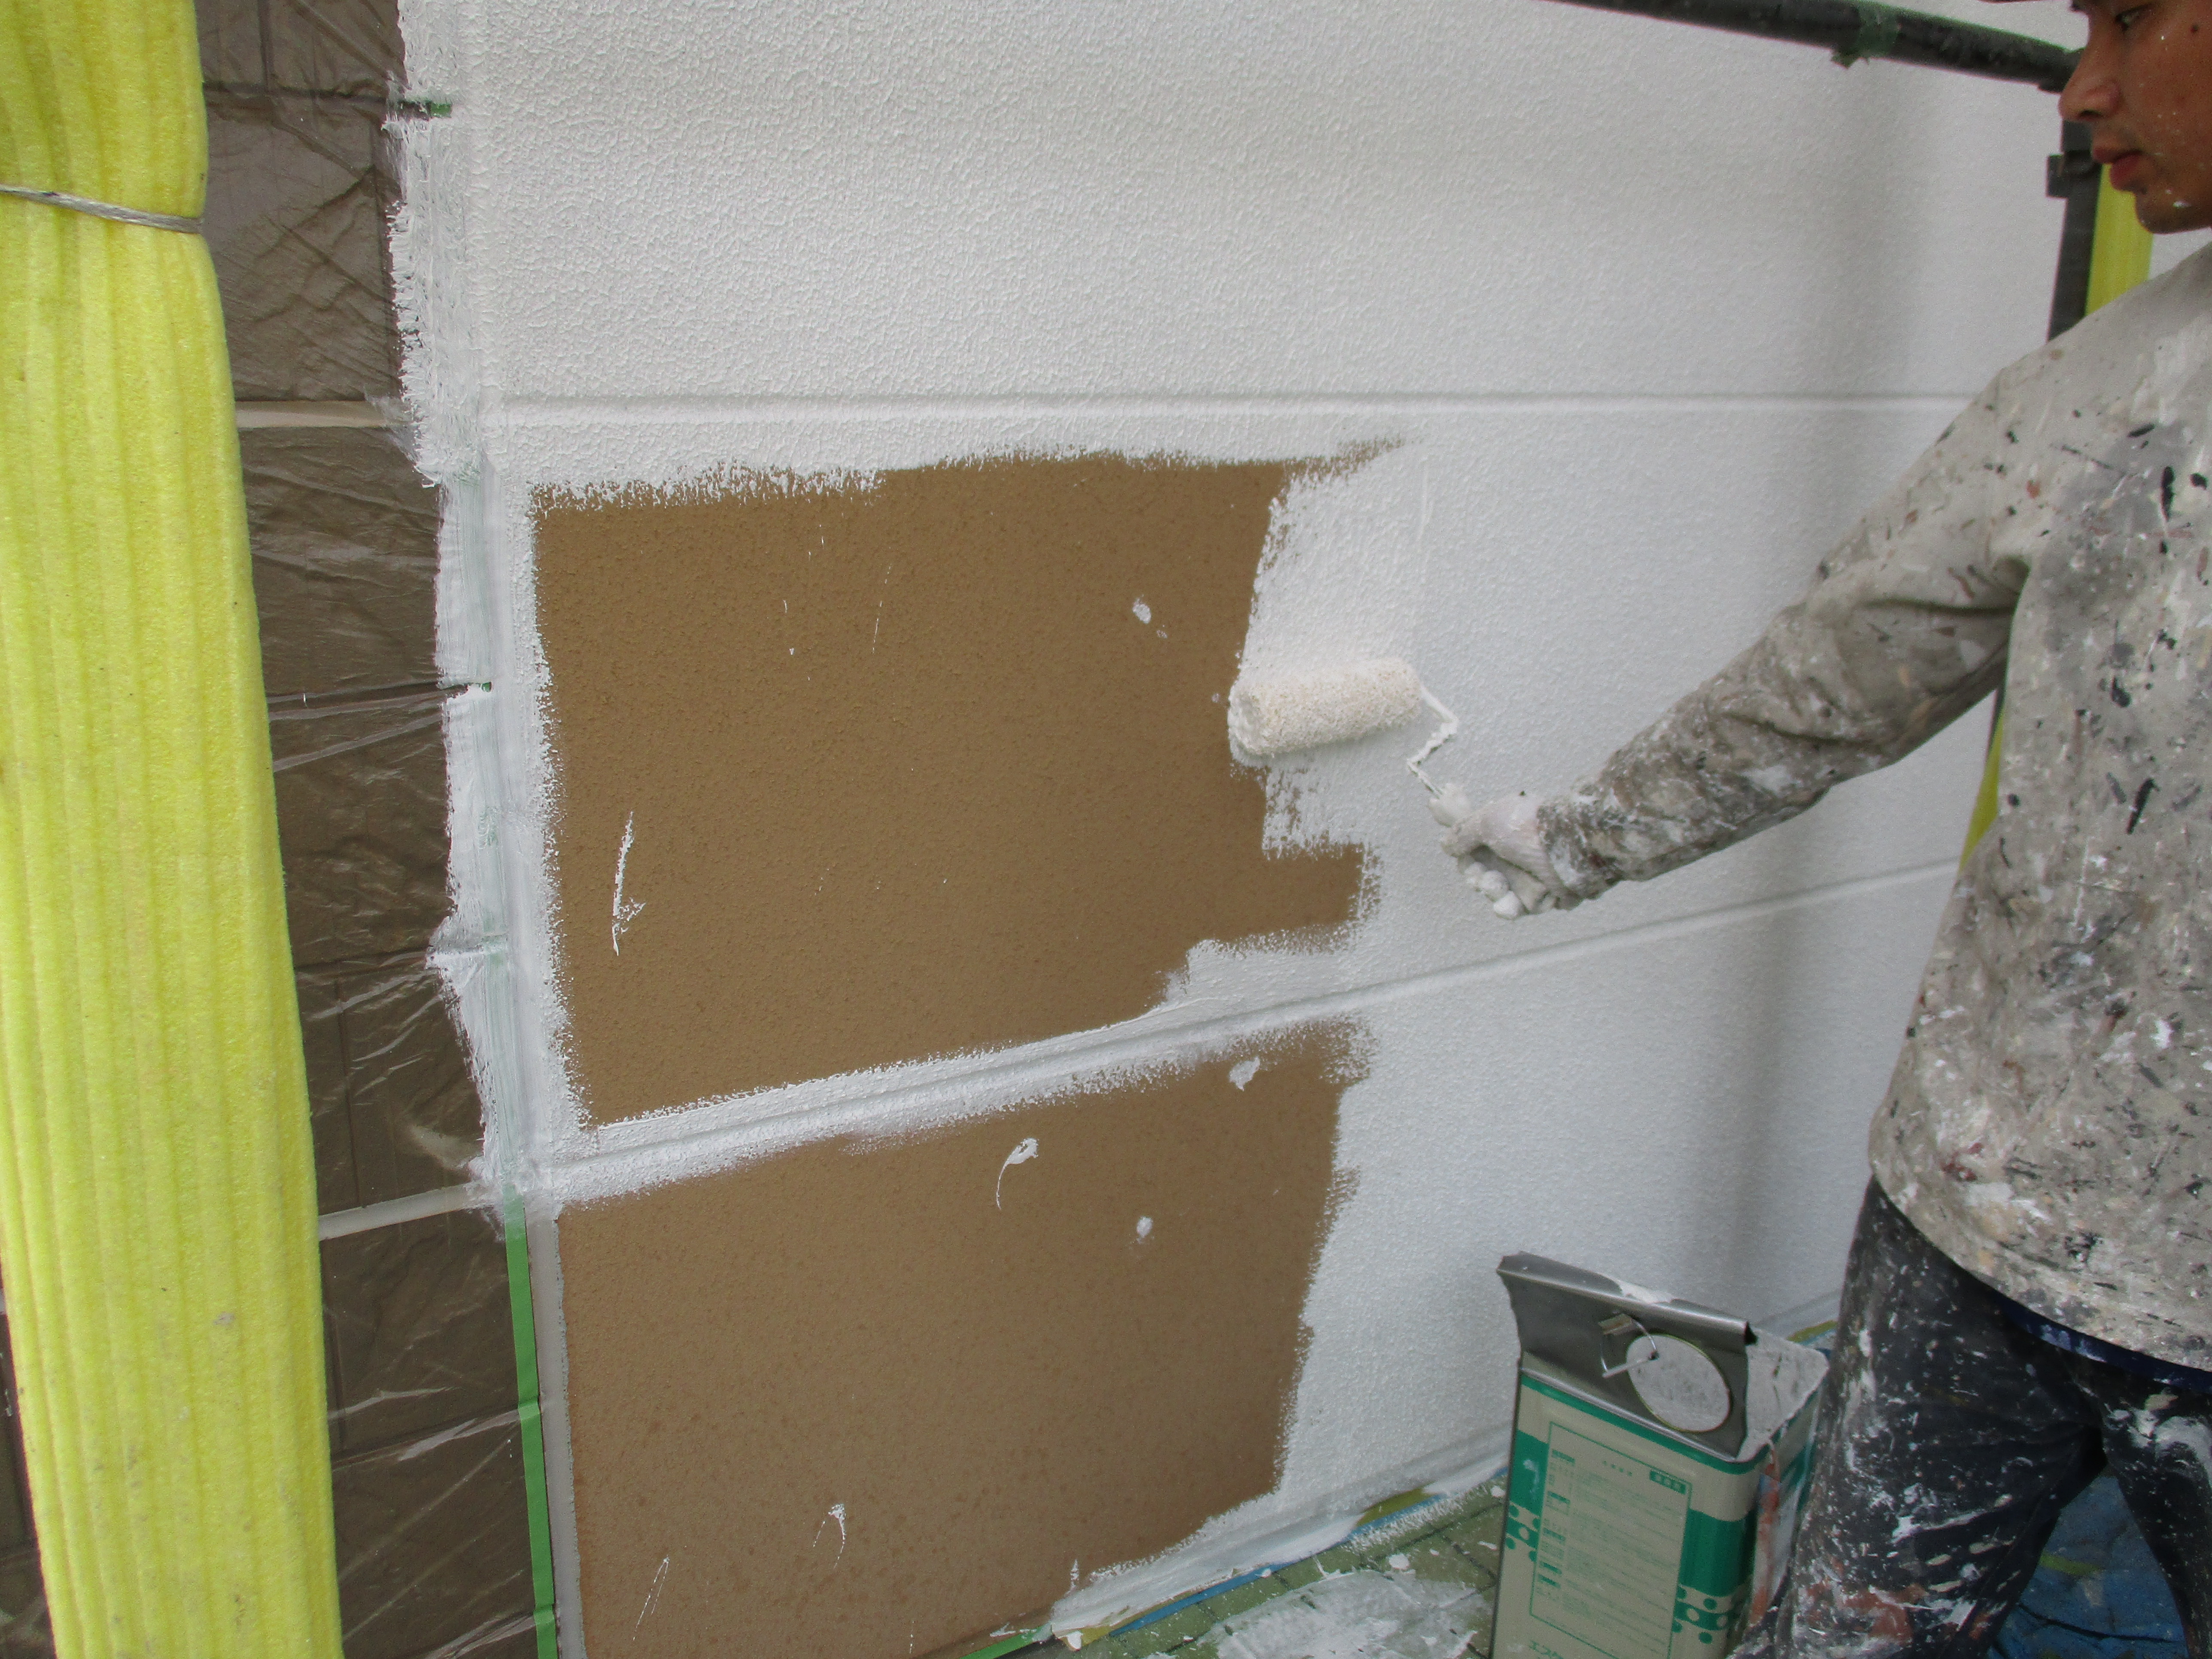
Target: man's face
[[2144, 88]]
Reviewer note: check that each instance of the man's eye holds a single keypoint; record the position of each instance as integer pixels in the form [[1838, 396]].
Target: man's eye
[[2127, 19]]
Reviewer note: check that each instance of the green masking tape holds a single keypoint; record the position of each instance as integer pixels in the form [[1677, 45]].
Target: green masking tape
[[530, 1416]]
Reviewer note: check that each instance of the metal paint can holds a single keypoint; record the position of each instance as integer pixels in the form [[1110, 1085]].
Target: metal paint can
[[1660, 1452]]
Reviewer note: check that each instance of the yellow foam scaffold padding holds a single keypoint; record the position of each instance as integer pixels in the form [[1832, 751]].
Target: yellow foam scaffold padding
[[157, 1214], [2120, 250]]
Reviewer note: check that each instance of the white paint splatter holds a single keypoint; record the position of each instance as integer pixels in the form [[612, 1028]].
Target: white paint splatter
[[837, 1514], [876, 638], [1074, 1572], [1771, 780], [1144, 1226], [652, 1596], [1141, 612], [624, 914], [1399, 1563], [2187, 1438], [1355, 1615], [1024, 1151], [1243, 1071]]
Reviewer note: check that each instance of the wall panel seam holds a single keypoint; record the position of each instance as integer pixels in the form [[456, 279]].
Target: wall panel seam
[[599, 1154], [555, 411]]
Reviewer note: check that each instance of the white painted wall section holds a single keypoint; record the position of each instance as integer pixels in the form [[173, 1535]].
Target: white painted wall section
[[1644, 316]]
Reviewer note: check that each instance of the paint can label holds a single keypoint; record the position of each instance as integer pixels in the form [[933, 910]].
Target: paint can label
[[1625, 1542]]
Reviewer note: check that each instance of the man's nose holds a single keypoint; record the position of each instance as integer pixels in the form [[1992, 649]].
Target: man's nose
[[2093, 91]]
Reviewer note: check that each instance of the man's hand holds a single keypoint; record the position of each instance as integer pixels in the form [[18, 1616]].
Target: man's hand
[[1501, 851]]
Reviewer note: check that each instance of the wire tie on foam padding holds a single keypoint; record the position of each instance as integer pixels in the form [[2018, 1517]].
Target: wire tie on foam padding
[[104, 209]]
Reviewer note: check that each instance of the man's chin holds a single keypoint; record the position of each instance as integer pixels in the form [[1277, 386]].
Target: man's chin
[[2161, 212]]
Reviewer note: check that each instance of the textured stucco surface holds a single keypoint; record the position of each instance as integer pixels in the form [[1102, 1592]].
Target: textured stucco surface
[[1629, 321]]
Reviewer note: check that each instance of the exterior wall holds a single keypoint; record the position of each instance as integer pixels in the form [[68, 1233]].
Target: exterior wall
[[1611, 327]]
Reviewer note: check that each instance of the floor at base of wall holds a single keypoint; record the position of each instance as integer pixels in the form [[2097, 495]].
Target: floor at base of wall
[[1418, 1586], [1413, 1585], [2098, 1595]]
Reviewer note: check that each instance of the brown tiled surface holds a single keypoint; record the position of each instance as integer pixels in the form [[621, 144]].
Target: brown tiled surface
[[345, 561]]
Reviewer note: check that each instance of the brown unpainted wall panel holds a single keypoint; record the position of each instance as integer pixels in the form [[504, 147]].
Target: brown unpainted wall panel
[[996, 1380], [907, 772]]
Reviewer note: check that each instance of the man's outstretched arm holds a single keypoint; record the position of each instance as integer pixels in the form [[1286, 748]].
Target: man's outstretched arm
[[1905, 627]]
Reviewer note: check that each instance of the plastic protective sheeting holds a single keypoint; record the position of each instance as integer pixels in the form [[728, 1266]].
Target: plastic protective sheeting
[[345, 536], [346, 47], [24, 1626], [360, 809], [297, 197], [433, 1542], [395, 1111], [345, 561], [434, 1554], [426, 1433]]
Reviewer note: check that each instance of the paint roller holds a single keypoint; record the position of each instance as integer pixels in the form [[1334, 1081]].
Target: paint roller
[[1274, 715]]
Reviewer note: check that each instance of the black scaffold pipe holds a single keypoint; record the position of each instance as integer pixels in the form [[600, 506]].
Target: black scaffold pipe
[[1853, 29]]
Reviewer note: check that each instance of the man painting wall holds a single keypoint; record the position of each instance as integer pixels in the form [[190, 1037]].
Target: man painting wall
[[2029, 1293]]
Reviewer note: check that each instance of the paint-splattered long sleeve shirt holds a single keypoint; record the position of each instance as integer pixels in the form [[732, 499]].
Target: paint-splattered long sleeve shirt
[[2049, 1125]]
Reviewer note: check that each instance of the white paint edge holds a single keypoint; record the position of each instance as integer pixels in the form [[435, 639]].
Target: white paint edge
[[439, 372], [919, 1097], [873, 1120], [1247, 1539], [465, 632], [1185, 407]]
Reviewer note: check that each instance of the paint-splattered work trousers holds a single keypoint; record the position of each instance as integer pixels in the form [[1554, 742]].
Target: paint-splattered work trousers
[[1951, 1439]]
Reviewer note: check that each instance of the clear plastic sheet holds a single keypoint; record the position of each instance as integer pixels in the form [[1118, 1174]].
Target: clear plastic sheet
[[345, 536], [298, 191], [345, 561], [434, 1544], [24, 1628], [343, 47], [395, 1111], [360, 812]]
